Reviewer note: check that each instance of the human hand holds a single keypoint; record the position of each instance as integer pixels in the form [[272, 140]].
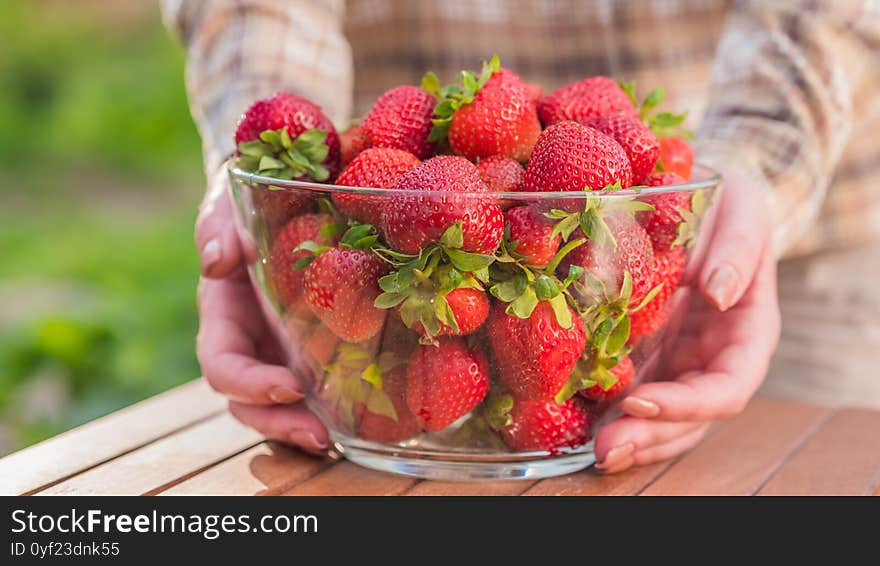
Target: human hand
[[720, 357], [235, 347]]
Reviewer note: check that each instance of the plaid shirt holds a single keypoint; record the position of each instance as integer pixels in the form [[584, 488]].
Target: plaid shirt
[[786, 90]]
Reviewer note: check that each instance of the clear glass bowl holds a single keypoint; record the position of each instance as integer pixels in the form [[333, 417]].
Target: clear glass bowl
[[341, 376]]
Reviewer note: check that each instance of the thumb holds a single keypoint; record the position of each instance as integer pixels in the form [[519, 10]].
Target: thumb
[[216, 238]]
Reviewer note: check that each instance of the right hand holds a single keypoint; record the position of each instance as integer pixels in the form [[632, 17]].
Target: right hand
[[237, 352]]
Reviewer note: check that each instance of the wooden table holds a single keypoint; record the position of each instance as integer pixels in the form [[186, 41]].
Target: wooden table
[[184, 442]]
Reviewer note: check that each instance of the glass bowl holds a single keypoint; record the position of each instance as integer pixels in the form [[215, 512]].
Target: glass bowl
[[469, 407]]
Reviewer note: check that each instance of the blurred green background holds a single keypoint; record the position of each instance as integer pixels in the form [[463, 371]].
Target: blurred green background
[[100, 176]]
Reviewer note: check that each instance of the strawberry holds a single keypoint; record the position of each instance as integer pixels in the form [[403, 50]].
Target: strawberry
[[278, 207], [636, 139], [288, 281], [502, 175], [445, 382], [539, 424], [469, 307], [380, 168], [571, 157], [351, 143], [383, 428], [668, 268], [623, 372], [535, 91], [532, 235], [594, 96], [486, 116], [663, 221], [401, 119], [627, 249], [341, 283], [287, 137], [411, 222], [676, 156], [534, 355]]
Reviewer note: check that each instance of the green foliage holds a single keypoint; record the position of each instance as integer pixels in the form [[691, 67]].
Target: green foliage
[[98, 270]]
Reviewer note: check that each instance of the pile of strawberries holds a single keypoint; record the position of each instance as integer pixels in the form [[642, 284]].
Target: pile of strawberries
[[444, 299]]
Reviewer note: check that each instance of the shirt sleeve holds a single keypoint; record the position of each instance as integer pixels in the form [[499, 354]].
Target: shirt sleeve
[[790, 78], [241, 50]]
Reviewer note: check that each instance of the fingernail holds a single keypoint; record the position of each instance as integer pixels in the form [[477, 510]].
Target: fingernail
[[638, 407], [211, 253], [306, 439], [615, 455], [721, 286], [284, 395]]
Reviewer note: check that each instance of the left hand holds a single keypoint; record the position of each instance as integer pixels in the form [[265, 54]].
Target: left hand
[[720, 357]]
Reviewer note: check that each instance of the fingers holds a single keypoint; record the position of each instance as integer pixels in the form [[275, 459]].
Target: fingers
[[620, 441], [289, 424], [215, 236], [744, 339], [229, 329], [740, 235]]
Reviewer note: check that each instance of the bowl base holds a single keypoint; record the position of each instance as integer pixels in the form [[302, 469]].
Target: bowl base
[[462, 468]]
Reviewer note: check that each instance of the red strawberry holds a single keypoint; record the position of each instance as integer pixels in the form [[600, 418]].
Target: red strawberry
[[381, 428], [351, 143], [676, 156], [445, 382], [636, 139], [500, 120], [573, 157], [502, 175], [629, 252], [288, 281], [584, 99], [469, 306], [534, 355], [401, 119], [297, 116], [668, 270], [380, 168], [278, 207], [340, 287], [412, 221], [535, 91], [532, 233], [545, 425], [624, 371], [662, 223]]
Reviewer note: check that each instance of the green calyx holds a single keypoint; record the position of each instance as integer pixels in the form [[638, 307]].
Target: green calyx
[[357, 237], [523, 286], [420, 283], [689, 229], [275, 154], [452, 97], [355, 376], [663, 124], [497, 409], [591, 220]]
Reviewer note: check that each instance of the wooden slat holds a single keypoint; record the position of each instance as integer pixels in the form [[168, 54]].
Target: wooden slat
[[842, 458], [470, 488], [265, 469], [589, 482], [346, 478], [103, 439], [163, 462], [742, 453]]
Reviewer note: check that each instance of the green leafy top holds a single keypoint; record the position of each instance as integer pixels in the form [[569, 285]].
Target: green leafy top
[[591, 220], [663, 124], [358, 236], [452, 97], [419, 283], [275, 154], [687, 231]]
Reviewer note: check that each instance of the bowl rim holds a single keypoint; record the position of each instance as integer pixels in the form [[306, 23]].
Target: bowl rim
[[711, 178]]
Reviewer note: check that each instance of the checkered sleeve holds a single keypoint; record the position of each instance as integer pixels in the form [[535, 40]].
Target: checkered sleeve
[[790, 78], [242, 50]]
